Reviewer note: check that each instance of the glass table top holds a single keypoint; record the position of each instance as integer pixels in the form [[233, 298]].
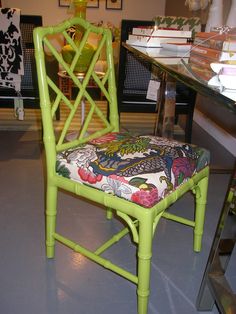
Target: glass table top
[[179, 66]]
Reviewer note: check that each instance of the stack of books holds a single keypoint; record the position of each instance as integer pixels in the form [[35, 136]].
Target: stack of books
[[155, 37], [211, 47], [165, 56]]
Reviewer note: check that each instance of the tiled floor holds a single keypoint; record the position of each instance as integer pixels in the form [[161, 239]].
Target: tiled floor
[[70, 284]]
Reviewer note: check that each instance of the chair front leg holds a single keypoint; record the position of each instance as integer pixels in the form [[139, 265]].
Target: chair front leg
[[144, 263], [51, 211], [201, 199]]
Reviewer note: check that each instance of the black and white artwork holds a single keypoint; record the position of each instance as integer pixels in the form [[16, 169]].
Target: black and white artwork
[[11, 57]]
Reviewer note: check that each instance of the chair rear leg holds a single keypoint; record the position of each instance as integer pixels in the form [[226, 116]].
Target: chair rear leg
[[144, 264], [201, 199], [51, 211], [109, 213]]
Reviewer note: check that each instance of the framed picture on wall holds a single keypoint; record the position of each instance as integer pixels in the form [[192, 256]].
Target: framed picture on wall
[[93, 4], [64, 3], [114, 4]]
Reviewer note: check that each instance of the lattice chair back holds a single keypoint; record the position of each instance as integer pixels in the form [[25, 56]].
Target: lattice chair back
[[105, 82]]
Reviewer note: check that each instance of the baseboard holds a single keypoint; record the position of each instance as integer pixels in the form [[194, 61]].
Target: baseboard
[[220, 135]]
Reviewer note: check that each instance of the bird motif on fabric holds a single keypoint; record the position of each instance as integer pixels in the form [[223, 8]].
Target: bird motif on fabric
[[132, 167]]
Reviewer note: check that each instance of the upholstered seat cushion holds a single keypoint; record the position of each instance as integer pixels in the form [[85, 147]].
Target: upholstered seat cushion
[[141, 169]]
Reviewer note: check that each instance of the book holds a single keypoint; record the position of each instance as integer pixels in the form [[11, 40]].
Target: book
[[205, 74], [164, 32], [164, 56], [208, 43], [182, 47], [206, 52], [215, 54], [200, 61], [162, 53], [150, 41], [216, 36], [227, 45]]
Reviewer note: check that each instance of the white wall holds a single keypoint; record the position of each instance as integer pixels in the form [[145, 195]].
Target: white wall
[[52, 13]]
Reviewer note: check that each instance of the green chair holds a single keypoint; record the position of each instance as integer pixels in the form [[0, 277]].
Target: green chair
[[136, 178]]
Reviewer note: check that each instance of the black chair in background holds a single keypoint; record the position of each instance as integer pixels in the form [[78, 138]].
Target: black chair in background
[[29, 85], [133, 78]]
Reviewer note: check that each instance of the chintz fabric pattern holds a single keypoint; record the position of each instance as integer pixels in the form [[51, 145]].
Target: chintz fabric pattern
[[141, 169]]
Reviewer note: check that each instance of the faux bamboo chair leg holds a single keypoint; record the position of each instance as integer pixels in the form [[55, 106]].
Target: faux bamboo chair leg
[[201, 200], [144, 263], [109, 213], [51, 211]]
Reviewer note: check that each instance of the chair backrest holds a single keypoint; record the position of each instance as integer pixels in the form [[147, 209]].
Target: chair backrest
[[29, 80], [134, 74], [55, 140]]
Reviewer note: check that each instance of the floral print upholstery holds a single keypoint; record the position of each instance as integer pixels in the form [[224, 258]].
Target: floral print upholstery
[[141, 169]]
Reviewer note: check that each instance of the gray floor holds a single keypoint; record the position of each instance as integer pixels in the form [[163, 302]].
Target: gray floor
[[70, 284]]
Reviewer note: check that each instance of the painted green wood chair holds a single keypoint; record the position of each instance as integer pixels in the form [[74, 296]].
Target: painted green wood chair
[[135, 177]]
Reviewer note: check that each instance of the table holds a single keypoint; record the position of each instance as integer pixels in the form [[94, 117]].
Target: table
[[182, 73], [214, 286]]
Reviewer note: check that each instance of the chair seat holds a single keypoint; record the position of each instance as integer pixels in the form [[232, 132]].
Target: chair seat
[[141, 169]]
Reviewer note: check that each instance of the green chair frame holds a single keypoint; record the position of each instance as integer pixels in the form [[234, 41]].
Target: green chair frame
[[141, 221]]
